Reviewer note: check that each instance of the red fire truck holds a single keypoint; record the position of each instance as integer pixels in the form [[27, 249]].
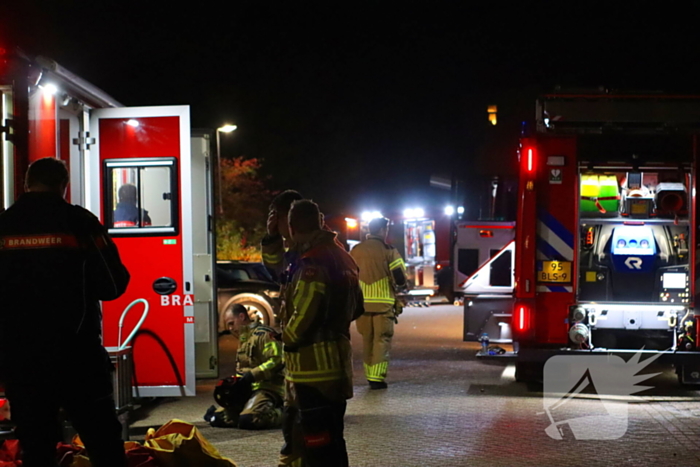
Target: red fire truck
[[47, 111], [606, 233]]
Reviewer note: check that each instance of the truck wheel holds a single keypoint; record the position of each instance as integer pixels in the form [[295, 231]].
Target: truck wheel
[[258, 308]]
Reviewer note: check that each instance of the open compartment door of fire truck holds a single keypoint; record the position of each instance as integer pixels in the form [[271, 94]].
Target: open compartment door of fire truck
[[206, 316], [140, 184], [419, 242]]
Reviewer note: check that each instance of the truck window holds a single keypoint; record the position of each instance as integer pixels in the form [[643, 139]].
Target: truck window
[[140, 197], [468, 261], [501, 272]]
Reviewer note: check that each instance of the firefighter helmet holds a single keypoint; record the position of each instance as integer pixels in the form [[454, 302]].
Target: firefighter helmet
[[229, 393]]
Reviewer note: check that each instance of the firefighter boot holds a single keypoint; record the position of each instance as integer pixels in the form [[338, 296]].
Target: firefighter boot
[[378, 384]]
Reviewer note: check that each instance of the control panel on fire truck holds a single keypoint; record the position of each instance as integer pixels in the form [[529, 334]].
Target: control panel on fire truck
[[674, 285]]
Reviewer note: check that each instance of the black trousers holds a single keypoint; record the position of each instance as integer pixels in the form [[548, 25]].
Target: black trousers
[[313, 428], [84, 390]]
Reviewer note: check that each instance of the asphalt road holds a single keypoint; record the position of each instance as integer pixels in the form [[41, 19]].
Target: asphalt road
[[445, 408]]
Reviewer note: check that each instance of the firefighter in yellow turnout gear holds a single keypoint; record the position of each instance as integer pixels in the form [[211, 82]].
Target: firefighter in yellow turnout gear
[[321, 300], [260, 362], [382, 270]]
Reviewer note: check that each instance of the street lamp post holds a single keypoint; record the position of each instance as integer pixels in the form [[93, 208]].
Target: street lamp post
[[224, 129]]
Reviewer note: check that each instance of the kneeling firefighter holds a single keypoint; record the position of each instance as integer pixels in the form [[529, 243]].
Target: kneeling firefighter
[[253, 398]]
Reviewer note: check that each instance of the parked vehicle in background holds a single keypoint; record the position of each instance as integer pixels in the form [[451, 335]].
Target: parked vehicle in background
[[248, 284], [423, 240], [484, 259]]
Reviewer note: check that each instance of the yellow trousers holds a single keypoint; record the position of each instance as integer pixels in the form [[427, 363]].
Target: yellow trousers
[[376, 329]]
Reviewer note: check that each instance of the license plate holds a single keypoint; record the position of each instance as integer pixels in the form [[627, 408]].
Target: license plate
[[554, 271]]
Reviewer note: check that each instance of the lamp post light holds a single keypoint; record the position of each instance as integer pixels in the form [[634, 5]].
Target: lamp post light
[[223, 129]]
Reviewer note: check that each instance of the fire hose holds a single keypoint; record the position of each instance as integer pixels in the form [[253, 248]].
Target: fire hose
[[120, 345]]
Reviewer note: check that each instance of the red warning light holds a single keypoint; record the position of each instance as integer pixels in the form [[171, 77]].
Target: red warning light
[[530, 159], [522, 317], [486, 233]]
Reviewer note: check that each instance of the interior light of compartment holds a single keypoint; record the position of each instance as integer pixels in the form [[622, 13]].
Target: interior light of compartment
[[50, 89]]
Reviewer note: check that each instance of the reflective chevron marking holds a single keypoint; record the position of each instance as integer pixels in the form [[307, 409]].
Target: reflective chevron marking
[[554, 243]]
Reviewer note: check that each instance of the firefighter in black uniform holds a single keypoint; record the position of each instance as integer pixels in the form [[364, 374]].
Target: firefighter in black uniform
[[56, 263]]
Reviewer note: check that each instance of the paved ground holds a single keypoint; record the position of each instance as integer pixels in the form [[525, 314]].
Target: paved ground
[[444, 408]]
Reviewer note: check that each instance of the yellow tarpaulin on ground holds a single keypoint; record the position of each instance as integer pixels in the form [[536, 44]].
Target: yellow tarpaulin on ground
[[180, 444], [175, 444]]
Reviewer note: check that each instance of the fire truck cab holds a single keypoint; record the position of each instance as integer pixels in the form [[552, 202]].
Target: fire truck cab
[[606, 233]]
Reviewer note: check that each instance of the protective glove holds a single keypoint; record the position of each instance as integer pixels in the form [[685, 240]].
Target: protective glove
[[398, 308]]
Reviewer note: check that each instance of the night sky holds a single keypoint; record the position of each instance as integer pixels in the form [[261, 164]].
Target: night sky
[[357, 104]]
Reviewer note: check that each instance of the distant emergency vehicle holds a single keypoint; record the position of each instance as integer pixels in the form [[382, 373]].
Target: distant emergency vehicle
[[422, 238]]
